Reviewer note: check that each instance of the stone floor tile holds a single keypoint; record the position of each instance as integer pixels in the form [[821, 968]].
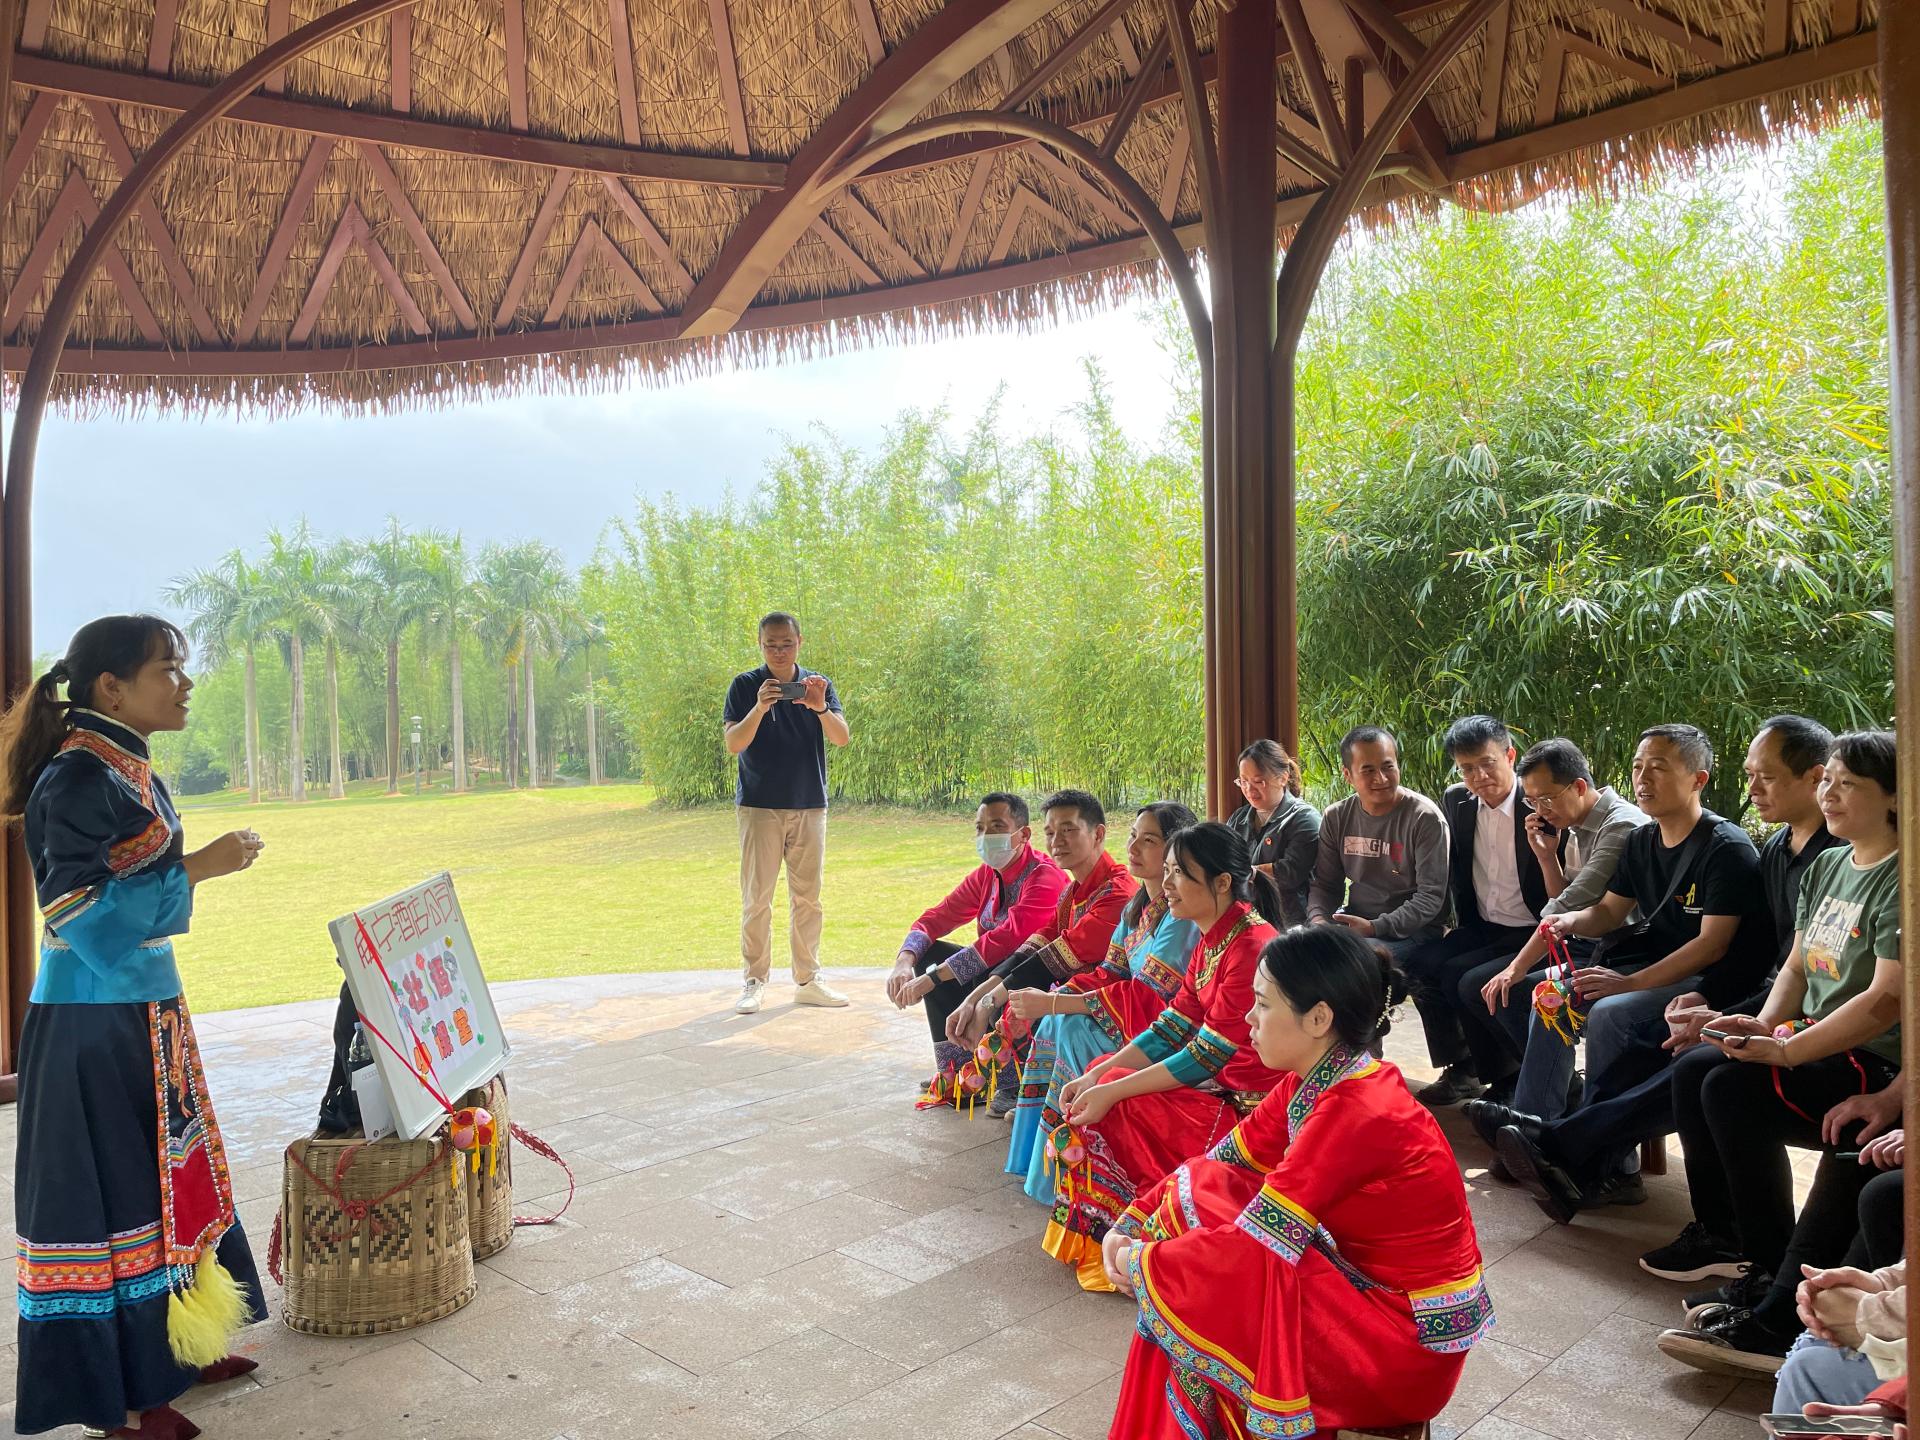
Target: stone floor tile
[[988, 1388], [1493, 1372], [377, 1388], [1088, 1415], [1613, 1385], [1098, 1325], [830, 1285], [796, 1380], [1494, 1428], [799, 1235], [1504, 1218], [1531, 1287], [959, 1306]]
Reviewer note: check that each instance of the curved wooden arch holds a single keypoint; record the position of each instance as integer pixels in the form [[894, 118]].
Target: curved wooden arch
[[1055, 137], [36, 385]]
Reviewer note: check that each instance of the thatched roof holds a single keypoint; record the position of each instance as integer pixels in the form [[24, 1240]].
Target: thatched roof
[[543, 192]]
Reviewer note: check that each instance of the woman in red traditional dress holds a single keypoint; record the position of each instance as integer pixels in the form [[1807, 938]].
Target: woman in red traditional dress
[[1184, 1081], [1334, 1214]]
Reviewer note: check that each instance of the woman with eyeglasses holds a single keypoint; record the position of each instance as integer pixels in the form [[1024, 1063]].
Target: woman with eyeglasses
[[1281, 831]]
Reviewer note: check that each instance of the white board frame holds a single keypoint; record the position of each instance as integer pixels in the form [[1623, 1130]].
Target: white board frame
[[399, 925]]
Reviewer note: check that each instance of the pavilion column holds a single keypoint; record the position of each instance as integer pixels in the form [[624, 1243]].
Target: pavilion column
[[1249, 560], [1900, 116]]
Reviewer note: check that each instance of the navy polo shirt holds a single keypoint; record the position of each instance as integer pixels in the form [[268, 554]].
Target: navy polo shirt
[[785, 768]]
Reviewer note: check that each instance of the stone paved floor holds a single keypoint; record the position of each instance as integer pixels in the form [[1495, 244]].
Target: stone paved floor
[[769, 1243]]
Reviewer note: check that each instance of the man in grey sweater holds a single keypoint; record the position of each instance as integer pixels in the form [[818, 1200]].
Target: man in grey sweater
[[1382, 864]]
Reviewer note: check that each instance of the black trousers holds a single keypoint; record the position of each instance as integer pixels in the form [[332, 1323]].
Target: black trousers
[[1882, 1239], [946, 995], [1434, 973], [1736, 1131]]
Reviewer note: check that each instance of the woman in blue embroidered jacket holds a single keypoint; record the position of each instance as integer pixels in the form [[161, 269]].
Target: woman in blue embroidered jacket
[[1318, 1269], [134, 1271]]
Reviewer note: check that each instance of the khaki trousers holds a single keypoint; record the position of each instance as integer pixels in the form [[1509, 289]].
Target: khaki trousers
[[769, 839]]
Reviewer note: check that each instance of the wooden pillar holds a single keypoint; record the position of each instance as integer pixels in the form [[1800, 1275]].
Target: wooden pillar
[[1248, 627], [17, 901], [1900, 118]]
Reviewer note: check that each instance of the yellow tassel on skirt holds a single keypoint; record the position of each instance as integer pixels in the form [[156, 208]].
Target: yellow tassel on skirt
[[202, 1322]]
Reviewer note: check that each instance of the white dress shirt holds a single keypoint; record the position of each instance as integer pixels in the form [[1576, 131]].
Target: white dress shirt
[[1496, 864]]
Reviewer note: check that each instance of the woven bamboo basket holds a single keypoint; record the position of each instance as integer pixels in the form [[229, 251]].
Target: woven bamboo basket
[[379, 1246], [490, 1191]]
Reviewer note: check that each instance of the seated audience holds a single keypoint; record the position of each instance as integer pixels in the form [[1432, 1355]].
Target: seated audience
[[1185, 1080], [1381, 869], [1499, 889], [1282, 832], [1074, 939], [1692, 877], [1859, 1306], [1012, 893], [1099, 1010], [1577, 831], [1317, 1269], [1829, 1031]]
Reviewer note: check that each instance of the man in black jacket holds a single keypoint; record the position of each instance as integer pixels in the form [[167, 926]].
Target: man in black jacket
[[1497, 894]]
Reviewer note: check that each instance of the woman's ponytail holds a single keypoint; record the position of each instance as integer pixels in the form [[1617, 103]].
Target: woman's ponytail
[[31, 734]]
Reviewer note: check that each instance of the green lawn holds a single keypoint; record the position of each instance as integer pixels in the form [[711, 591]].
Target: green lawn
[[554, 882]]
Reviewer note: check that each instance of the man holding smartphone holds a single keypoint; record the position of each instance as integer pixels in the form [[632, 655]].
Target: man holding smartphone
[[778, 720]]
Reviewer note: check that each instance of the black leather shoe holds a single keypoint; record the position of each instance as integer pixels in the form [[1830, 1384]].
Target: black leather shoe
[[1456, 1083], [1489, 1119], [1551, 1187]]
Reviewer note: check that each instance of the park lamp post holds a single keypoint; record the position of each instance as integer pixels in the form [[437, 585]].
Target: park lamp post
[[416, 754]]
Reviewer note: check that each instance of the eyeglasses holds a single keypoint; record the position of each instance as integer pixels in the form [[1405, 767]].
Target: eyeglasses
[[1478, 768], [1554, 799]]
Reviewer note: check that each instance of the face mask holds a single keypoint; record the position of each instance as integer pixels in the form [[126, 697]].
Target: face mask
[[995, 850]]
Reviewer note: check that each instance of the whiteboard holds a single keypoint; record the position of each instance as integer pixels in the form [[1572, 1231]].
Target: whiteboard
[[413, 974]]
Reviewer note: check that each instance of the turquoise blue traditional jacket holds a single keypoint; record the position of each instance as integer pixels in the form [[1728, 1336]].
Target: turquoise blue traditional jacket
[[105, 844]]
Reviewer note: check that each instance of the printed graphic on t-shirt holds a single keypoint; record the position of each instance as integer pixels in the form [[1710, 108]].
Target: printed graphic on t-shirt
[[1368, 847], [1826, 934], [1687, 901]]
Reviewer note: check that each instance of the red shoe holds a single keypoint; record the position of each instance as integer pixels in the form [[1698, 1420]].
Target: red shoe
[[231, 1368], [163, 1422]]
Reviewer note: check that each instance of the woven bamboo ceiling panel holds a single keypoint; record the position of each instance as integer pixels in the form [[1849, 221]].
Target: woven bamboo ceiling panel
[[485, 194]]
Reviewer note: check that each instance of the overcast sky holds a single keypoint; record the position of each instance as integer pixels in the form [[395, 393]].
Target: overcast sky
[[123, 507]]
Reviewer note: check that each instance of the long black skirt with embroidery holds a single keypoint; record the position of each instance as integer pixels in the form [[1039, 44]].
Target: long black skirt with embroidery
[[93, 1277]]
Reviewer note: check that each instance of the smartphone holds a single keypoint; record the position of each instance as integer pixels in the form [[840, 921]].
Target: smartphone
[[1713, 1034], [793, 689], [1792, 1425]]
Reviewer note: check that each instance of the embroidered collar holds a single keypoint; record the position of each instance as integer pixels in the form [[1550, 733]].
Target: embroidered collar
[[1151, 914], [122, 737], [1228, 928], [1342, 1062]]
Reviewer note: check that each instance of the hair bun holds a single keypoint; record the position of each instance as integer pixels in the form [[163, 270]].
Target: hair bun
[[59, 674]]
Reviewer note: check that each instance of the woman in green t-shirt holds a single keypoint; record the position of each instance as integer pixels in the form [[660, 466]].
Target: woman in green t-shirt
[[1828, 1032]]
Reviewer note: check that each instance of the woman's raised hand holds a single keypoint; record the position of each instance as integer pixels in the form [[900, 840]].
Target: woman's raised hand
[[228, 855]]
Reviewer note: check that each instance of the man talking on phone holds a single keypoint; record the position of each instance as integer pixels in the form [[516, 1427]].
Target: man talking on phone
[[778, 719]]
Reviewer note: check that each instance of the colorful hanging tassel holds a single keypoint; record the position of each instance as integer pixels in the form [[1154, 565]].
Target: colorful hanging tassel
[[1556, 998], [203, 1319]]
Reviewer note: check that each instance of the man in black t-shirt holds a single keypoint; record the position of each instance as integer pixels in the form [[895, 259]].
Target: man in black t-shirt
[[778, 720], [1693, 877]]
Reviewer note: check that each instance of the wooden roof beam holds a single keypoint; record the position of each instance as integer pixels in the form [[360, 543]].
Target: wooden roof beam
[[1306, 55], [1135, 99], [516, 37], [75, 204], [337, 122], [160, 37], [728, 58], [352, 231], [595, 241], [121, 154], [969, 211], [400, 61], [620, 37], [1111, 13]]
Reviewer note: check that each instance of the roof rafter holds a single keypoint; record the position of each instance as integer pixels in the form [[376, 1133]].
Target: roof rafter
[[353, 231], [280, 248], [595, 241], [75, 204], [341, 123], [1020, 205], [121, 156]]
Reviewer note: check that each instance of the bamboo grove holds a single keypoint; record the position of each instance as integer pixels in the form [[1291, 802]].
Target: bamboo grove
[[1590, 467]]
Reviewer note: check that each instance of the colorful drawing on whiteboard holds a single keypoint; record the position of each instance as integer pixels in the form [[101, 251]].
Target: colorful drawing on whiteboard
[[418, 985]]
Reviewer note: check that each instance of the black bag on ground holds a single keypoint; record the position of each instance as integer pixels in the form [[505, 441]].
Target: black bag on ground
[[340, 1107]]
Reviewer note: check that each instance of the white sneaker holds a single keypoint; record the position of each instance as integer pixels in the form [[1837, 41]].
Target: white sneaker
[[817, 992], [750, 997]]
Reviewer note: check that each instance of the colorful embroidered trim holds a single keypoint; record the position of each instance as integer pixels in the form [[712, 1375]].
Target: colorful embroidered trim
[[917, 943], [1453, 1317], [135, 772], [95, 1278], [1172, 1030], [1279, 1224], [1233, 1151], [69, 906], [1061, 962], [197, 1218], [1339, 1063], [1211, 1050], [1210, 955], [1270, 1418], [131, 856]]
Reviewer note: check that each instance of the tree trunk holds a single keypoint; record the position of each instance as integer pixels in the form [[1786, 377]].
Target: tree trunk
[[533, 734], [297, 724], [393, 715], [510, 750], [593, 731], [336, 781], [253, 731], [459, 721]]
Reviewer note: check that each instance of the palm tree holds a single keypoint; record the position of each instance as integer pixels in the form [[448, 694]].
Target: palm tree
[[397, 596], [291, 574], [524, 583], [454, 609], [230, 610], [585, 628], [335, 602]]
